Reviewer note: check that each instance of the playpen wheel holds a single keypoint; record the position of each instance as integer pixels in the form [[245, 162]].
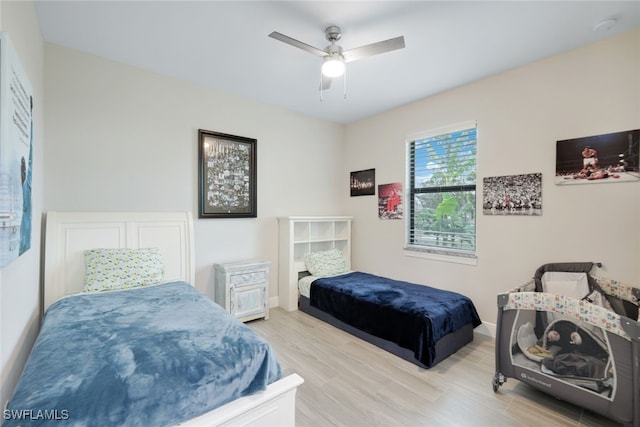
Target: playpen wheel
[[498, 380]]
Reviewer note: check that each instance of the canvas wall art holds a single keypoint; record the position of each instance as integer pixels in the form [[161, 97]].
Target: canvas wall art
[[512, 195], [390, 201], [16, 144], [363, 183], [611, 157]]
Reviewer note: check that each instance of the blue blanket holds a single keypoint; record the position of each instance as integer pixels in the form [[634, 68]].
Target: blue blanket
[[413, 316], [151, 356]]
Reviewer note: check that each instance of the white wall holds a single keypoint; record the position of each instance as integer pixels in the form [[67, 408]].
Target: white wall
[[520, 114], [19, 281], [121, 138]]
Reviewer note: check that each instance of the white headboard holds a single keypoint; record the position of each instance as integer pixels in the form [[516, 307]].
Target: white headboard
[[68, 234]]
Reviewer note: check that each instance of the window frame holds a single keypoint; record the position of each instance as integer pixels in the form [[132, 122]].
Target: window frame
[[464, 256]]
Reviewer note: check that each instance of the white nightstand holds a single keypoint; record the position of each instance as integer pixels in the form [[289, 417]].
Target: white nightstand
[[242, 288]]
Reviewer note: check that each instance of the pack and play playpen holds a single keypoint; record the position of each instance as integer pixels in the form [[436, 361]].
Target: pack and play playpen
[[574, 336]]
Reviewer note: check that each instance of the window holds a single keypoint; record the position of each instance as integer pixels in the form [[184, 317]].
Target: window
[[442, 191]]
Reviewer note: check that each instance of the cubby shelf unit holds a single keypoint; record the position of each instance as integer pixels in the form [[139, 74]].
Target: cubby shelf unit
[[300, 235]]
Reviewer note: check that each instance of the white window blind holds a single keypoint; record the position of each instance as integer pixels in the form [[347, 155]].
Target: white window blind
[[442, 190]]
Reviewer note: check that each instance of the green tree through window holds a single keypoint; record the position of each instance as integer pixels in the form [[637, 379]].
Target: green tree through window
[[442, 187]]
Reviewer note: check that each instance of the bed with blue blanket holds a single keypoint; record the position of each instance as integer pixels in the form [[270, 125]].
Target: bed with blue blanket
[[156, 355], [127, 340], [421, 324]]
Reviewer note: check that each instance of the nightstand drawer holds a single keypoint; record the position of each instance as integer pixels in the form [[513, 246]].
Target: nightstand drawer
[[246, 279]]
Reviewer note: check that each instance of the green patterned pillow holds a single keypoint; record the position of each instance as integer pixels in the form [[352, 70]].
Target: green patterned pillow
[[111, 269], [325, 263]]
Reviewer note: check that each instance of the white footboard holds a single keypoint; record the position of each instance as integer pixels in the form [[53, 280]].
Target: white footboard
[[276, 406]]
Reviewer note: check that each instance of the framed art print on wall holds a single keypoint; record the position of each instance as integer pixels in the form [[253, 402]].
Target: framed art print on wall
[[390, 201], [226, 176], [611, 157], [512, 195], [363, 183]]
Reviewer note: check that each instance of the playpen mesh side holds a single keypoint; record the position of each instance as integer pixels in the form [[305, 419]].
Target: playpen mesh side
[[615, 393]]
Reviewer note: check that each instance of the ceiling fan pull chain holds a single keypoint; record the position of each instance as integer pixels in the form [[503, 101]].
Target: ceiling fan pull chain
[[321, 87], [344, 83]]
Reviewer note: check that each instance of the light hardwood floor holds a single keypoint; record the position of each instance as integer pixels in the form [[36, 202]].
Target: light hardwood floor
[[349, 382]]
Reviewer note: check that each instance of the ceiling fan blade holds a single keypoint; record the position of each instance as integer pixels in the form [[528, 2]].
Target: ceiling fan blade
[[326, 82], [297, 43], [373, 49]]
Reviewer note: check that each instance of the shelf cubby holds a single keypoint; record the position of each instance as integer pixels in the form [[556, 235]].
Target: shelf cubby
[[300, 235]]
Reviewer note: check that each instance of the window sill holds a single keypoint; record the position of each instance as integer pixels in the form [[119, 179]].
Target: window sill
[[442, 255]]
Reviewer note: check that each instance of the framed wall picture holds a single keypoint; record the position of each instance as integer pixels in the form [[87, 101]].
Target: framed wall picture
[[363, 183], [226, 176], [611, 157], [390, 201], [512, 195]]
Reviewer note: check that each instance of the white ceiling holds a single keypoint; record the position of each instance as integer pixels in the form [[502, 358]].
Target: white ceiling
[[225, 44]]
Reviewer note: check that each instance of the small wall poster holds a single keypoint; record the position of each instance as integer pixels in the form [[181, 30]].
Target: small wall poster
[[512, 195], [390, 201], [363, 183], [16, 132]]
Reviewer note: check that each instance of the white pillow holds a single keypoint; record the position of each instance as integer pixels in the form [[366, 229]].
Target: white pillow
[[325, 263], [111, 269]]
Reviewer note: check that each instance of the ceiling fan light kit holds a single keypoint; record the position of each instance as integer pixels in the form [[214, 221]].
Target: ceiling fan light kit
[[334, 59], [333, 66]]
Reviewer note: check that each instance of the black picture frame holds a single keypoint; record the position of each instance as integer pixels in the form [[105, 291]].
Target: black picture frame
[[227, 183], [363, 183]]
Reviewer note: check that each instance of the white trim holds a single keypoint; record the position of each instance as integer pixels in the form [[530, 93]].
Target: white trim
[[441, 130], [487, 329], [442, 255], [274, 302], [437, 253], [317, 218]]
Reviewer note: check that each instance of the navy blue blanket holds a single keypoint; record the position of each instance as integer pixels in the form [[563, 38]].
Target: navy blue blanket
[[152, 356], [412, 316]]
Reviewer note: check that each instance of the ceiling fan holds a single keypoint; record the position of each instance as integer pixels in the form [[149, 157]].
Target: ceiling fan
[[334, 58]]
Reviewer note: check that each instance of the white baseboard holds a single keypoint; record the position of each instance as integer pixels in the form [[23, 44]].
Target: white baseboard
[[488, 329], [274, 302]]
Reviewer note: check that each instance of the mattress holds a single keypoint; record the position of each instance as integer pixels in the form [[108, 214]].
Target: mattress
[[155, 355], [405, 315]]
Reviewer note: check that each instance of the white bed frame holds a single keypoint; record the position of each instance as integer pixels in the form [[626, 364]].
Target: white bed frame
[[68, 234]]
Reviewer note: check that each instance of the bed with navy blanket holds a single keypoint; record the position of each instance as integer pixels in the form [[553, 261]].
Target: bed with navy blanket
[[419, 323], [150, 356]]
